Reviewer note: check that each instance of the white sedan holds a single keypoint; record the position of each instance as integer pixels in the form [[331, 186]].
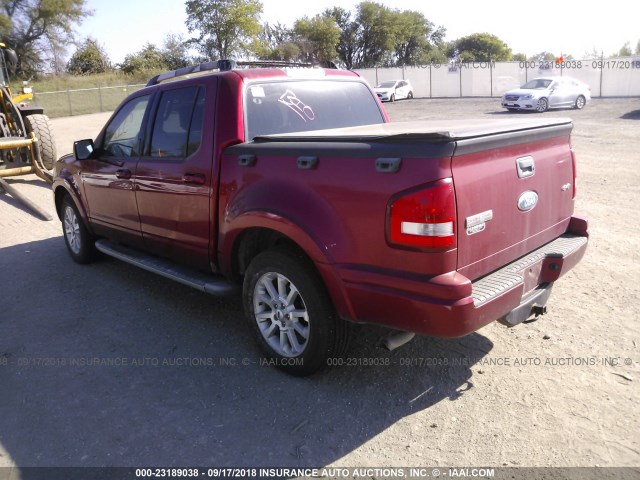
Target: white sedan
[[541, 94], [393, 90]]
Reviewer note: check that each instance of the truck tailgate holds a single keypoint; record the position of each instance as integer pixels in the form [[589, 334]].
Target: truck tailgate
[[514, 193]]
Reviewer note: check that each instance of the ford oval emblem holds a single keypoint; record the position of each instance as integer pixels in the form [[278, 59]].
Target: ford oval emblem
[[527, 201]]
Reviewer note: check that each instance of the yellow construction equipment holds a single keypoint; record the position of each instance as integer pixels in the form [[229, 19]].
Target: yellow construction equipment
[[27, 144]]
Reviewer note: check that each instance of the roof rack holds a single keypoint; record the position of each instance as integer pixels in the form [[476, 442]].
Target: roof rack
[[230, 64]]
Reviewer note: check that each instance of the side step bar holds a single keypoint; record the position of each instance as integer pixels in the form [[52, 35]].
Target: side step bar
[[200, 281]]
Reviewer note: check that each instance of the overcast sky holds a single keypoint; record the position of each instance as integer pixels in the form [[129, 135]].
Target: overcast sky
[[569, 27]]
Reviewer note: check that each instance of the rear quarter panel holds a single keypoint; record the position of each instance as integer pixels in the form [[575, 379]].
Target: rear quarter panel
[[341, 205]]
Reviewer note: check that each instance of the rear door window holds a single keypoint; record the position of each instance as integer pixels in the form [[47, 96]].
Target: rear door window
[[177, 129]]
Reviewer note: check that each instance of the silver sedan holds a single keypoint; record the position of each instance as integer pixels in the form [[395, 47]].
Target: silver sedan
[[541, 94]]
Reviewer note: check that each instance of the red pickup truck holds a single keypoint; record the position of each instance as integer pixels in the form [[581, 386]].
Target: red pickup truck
[[292, 185]]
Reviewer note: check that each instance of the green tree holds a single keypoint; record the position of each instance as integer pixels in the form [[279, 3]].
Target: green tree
[[317, 38], [276, 42], [519, 57], [376, 35], [543, 57], [174, 52], [348, 44], [625, 50], [417, 40], [223, 27], [5, 25], [637, 52], [39, 30], [592, 55], [287, 51], [481, 47], [149, 59], [89, 58], [276, 34]]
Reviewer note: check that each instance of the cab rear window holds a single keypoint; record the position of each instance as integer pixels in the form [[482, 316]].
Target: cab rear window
[[290, 106]]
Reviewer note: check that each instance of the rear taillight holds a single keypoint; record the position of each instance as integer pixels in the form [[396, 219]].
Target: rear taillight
[[575, 172], [425, 217]]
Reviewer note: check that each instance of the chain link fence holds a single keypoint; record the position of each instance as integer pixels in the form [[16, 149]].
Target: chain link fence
[[65, 103]]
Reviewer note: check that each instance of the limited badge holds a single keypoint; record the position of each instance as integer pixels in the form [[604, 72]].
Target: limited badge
[[478, 222]]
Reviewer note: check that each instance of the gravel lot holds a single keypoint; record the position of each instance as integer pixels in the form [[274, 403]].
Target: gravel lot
[[107, 365]]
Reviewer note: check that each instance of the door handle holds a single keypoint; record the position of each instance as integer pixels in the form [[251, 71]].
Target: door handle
[[123, 173], [194, 178]]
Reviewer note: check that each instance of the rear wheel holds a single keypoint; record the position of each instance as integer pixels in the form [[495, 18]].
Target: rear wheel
[[78, 239], [410, 96], [580, 102], [291, 313], [542, 105], [41, 126]]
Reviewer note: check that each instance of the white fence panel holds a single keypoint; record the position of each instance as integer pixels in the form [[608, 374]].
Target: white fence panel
[[606, 77], [420, 79], [620, 77], [390, 74], [506, 76], [476, 79], [370, 75]]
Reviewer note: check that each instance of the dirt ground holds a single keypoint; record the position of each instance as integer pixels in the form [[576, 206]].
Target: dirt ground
[[108, 365]]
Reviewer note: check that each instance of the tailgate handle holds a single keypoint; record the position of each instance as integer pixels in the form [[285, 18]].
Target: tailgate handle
[[247, 160], [526, 167], [307, 163], [388, 165]]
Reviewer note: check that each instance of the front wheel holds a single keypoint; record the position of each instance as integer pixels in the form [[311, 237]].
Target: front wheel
[[393, 98], [543, 105], [410, 96], [76, 236], [291, 313], [580, 102]]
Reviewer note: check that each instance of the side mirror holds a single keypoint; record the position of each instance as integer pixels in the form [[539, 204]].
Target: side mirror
[[83, 149]]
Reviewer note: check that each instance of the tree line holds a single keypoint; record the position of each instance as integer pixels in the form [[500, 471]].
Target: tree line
[[372, 35]]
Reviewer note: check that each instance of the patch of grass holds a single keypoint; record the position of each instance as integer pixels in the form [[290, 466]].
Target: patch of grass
[[54, 83]]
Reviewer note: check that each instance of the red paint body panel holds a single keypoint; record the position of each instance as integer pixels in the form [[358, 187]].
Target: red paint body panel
[[488, 180], [338, 210], [344, 215]]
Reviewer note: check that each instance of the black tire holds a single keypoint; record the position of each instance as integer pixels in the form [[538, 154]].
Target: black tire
[[410, 96], [392, 98], [80, 243], [543, 105], [580, 102], [41, 126], [312, 331]]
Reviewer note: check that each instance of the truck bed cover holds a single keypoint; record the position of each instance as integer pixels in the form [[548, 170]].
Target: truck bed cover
[[439, 131]]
